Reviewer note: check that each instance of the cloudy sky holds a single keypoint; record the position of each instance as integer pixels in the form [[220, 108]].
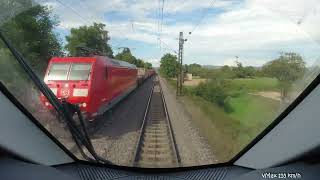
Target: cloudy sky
[[254, 30]]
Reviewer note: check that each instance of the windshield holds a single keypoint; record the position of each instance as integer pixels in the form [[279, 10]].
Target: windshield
[[174, 83], [78, 71]]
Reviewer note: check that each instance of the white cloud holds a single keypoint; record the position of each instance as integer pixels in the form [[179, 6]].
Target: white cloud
[[154, 62], [254, 29]]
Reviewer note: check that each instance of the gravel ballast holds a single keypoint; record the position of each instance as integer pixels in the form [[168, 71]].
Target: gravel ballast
[[193, 149], [116, 138]]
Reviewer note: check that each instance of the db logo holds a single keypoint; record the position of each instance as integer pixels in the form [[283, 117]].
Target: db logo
[[65, 92]]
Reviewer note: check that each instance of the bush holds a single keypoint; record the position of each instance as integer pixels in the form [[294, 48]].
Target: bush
[[227, 105], [214, 91]]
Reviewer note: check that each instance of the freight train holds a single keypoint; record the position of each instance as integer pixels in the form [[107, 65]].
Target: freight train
[[144, 74], [96, 83]]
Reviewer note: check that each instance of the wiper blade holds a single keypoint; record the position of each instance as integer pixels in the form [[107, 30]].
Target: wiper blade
[[65, 109]]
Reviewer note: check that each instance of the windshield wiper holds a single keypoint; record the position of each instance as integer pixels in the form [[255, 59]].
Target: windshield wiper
[[65, 109]]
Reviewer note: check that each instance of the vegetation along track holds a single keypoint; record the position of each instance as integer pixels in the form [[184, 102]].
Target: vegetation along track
[[156, 145]]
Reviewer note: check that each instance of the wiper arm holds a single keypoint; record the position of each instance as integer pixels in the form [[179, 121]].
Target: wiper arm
[[65, 109]]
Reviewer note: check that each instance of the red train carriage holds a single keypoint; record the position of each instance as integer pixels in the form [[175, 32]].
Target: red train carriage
[[144, 74], [141, 75], [95, 83]]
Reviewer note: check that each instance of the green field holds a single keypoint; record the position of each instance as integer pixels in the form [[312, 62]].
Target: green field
[[251, 114], [254, 113], [256, 84]]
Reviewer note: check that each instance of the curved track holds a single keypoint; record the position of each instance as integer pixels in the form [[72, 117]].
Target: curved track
[[156, 145]]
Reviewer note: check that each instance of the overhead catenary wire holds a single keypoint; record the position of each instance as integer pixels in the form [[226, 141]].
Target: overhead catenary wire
[[119, 41], [161, 25], [162, 8], [132, 25], [203, 16], [168, 47], [74, 11], [83, 19], [160, 22]]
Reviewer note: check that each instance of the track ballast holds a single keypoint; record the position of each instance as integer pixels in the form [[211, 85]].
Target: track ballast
[[156, 145]]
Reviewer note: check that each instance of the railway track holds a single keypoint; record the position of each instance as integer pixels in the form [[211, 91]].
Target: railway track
[[156, 145]]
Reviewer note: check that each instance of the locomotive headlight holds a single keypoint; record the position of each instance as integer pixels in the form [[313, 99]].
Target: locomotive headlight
[[80, 92], [84, 104], [54, 90], [46, 103]]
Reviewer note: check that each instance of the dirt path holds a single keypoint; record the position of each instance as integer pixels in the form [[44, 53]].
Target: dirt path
[[268, 94]]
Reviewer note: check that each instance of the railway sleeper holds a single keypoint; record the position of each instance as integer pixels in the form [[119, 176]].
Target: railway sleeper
[[157, 140], [160, 157], [157, 126], [152, 133], [156, 130], [155, 164], [163, 125], [154, 158], [157, 145], [156, 122], [156, 136], [155, 151]]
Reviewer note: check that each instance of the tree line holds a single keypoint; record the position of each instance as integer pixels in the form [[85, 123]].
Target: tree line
[[89, 40], [33, 33], [287, 68]]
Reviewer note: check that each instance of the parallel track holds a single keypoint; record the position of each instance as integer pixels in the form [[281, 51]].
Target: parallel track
[[156, 145]]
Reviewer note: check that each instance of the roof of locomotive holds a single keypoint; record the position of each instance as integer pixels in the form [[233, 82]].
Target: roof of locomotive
[[109, 61]]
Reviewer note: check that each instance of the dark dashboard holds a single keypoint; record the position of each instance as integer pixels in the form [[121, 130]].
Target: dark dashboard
[[17, 169]]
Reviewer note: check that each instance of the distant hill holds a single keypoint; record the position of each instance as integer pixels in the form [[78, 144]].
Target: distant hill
[[217, 67], [211, 66]]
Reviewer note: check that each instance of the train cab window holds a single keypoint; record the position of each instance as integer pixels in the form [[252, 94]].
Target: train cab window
[[58, 71], [80, 71], [244, 64]]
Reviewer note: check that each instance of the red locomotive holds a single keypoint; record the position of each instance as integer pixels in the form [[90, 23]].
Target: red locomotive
[[95, 83]]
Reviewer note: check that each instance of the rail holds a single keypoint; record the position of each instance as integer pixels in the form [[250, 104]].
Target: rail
[[156, 145]]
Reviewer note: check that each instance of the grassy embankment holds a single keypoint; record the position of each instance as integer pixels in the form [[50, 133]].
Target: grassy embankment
[[228, 133]]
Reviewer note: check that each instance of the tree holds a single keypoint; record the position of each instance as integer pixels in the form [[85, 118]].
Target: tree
[[227, 72], [32, 33], [169, 65], [126, 55], [194, 69], [93, 37], [147, 65], [30, 29], [140, 63], [250, 71], [239, 70], [288, 68], [215, 91]]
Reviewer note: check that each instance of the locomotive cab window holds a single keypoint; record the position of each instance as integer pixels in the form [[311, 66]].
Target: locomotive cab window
[[80, 71], [58, 71]]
